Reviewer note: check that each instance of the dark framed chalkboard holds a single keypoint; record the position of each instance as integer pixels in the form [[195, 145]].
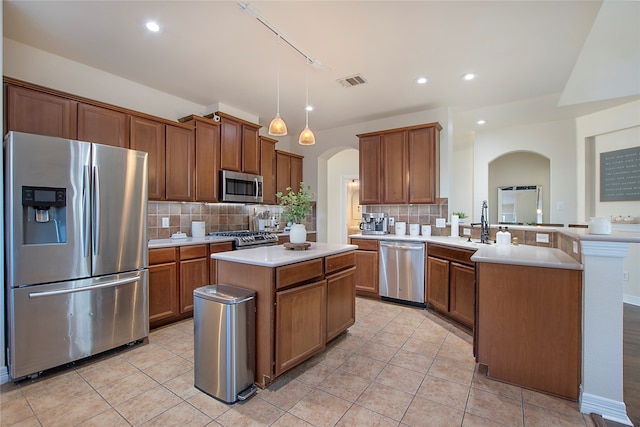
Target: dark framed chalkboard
[[620, 175]]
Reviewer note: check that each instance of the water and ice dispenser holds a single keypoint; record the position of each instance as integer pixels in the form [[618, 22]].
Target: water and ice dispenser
[[44, 211]]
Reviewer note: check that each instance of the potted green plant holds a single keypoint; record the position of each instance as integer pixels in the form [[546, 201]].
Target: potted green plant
[[461, 216], [296, 208]]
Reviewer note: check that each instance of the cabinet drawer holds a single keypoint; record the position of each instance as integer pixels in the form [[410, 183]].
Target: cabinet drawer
[[191, 252], [297, 274], [339, 262], [365, 244], [220, 247], [453, 254], [162, 255]]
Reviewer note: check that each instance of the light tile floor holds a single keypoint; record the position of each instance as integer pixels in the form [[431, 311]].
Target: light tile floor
[[396, 366]]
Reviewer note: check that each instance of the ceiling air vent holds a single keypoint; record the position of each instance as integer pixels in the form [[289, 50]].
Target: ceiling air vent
[[352, 81]]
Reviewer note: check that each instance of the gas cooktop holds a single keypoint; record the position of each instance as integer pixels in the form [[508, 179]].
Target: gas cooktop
[[244, 239]]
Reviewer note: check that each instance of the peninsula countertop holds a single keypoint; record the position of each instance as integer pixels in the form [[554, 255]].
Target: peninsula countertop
[[276, 256]]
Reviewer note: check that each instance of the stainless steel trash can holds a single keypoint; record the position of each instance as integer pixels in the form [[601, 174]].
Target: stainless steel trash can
[[224, 341]]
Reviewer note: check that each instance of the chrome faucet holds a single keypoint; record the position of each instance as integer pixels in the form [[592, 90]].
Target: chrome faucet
[[484, 225]]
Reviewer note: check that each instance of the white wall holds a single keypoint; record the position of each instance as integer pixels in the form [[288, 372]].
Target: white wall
[[461, 194], [554, 140], [341, 165]]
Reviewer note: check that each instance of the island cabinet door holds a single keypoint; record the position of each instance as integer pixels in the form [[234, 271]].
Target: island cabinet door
[[300, 324], [438, 283], [341, 302]]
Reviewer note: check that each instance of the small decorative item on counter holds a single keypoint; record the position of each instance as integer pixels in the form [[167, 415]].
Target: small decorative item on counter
[[506, 238], [179, 235], [599, 225], [296, 208], [499, 236], [461, 216], [515, 241]]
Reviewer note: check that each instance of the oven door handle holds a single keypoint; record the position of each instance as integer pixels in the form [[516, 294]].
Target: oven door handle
[[111, 284]]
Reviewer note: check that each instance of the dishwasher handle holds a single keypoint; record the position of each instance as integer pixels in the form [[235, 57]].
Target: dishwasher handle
[[403, 246]]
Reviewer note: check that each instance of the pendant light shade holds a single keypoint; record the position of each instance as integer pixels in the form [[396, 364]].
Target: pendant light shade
[[306, 136], [278, 127]]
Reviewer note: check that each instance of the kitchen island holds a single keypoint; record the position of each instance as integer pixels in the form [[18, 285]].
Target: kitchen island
[[304, 299]]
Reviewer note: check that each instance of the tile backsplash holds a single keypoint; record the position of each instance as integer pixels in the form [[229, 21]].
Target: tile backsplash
[[217, 217], [414, 214]]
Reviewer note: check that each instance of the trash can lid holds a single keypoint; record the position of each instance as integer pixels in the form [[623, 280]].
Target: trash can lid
[[226, 294]]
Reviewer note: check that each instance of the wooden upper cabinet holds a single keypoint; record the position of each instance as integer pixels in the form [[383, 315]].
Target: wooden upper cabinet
[[230, 145], [424, 171], [268, 170], [288, 171], [149, 135], [180, 168], [370, 170], [102, 125], [207, 157], [395, 169], [32, 111], [250, 150]]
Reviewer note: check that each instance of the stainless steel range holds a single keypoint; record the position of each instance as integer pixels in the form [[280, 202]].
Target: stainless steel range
[[245, 239]]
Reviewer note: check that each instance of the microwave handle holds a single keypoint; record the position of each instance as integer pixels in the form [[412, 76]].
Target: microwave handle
[[256, 190]]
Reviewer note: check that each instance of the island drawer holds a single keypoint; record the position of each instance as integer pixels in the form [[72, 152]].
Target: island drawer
[[299, 273], [162, 255], [339, 262], [453, 254]]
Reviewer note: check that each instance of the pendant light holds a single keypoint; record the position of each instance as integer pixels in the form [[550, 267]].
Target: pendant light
[[277, 127], [306, 136]]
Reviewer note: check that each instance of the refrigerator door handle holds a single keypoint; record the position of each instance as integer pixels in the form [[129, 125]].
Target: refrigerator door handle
[[85, 288], [86, 211], [96, 210]]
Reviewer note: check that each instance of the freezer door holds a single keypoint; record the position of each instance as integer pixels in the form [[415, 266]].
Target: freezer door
[[41, 161], [119, 211], [50, 325]]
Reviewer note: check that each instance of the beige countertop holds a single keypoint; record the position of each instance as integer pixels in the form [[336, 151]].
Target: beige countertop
[[276, 256], [167, 243]]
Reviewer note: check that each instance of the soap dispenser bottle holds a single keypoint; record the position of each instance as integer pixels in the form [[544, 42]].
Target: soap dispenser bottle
[[499, 236], [506, 236]]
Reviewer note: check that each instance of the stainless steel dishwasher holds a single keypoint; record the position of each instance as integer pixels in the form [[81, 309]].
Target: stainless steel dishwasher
[[402, 271]]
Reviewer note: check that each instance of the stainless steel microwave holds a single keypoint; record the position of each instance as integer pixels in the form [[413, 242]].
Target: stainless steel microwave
[[240, 187]]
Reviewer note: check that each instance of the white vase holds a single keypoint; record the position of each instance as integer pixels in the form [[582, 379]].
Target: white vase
[[298, 234]]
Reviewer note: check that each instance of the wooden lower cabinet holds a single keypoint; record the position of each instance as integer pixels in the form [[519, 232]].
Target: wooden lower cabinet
[[300, 324], [194, 273], [163, 283], [529, 330], [367, 276], [341, 302], [451, 286]]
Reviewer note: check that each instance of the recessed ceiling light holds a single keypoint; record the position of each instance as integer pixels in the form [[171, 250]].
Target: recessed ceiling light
[[422, 80], [481, 122], [468, 76], [152, 26], [309, 108]]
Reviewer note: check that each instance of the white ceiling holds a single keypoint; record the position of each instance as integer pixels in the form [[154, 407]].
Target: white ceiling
[[211, 52]]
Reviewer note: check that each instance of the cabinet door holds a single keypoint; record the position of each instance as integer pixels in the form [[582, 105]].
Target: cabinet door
[[193, 274], [40, 113], [370, 170], [423, 165], [215, 248], [341, 302], [462, 293], [180, 158], [230, 145], [283, 172], [148, 135], [300, 324], [296, 172], [163, 292], [101, 125], [268, 171], [438, 283], [395, 168], [207, 162], [366, 276], [250, 150]]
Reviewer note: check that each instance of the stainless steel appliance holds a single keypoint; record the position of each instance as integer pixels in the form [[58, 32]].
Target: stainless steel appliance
[[240, 187], [244, 239], [402, 271], [374, 223], [76, 250]]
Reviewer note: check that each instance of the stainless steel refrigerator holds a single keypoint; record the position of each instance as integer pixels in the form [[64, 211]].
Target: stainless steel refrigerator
[[75, 250]]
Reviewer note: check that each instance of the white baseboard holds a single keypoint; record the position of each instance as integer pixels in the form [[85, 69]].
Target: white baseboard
[[631, 299], [609, 409], [4, 375]]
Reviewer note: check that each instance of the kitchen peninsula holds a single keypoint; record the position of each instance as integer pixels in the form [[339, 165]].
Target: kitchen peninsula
[[303, 299]]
